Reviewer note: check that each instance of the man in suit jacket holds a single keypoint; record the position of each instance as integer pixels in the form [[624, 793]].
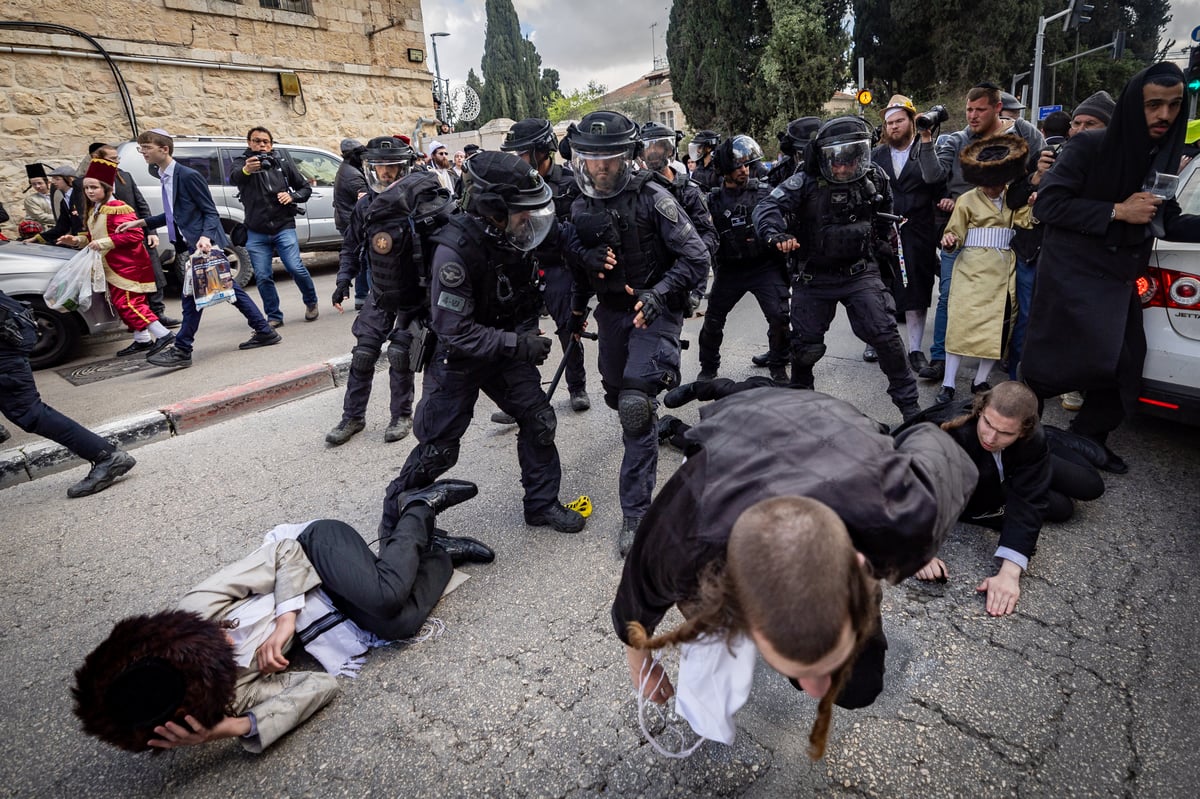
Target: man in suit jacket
[[215, 666], [192, 223], [913, 199]]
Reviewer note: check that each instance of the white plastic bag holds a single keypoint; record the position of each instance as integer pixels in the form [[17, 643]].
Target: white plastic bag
[[211, 278], [71, 287]]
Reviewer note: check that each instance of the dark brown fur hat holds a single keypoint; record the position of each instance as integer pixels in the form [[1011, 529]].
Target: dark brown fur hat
[[994, 161], [150, 670]]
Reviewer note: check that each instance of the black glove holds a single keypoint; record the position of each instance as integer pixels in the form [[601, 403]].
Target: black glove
[[575, 324], [779, 238], [341, 292], [652, 305], [594, 258], [533, 349]]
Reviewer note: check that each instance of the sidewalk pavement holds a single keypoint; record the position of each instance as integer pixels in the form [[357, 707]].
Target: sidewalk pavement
[[44, 457]]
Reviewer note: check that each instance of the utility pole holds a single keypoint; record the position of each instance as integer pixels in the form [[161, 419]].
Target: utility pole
[[1035, 101], [653, 48]]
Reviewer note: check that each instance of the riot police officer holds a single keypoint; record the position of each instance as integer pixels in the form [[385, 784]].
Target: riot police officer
[[533, 140], [21, 404], [701, 150], [743, 263], [484, 310], [658, 152], [378, 231], [640, 254], [793, 146], [838, 241]]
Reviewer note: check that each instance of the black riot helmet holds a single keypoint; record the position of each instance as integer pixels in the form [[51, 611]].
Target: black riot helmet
[[533, 136], [702, 144], [385, 160], [739, 151], [659, 145], [510, 196], [603, 146], [841, 150], [794, 141]]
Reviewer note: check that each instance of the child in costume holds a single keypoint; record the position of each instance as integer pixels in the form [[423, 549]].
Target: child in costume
[[127, 267], [984, 285]]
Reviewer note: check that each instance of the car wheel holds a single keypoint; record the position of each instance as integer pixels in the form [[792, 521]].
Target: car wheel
[[58, 335], [239, 263]]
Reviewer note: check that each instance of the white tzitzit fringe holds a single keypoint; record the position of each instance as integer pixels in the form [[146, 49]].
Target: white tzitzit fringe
[[431, 630], [672, 724]]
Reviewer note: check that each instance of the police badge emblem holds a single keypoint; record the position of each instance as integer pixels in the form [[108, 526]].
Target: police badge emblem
[[381, 243]]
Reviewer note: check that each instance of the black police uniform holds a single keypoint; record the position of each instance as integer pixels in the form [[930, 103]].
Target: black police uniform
[[839, 235], [657, 248], [707, 175], [558, 285], [693, 198], [20, 401], [377, 238], [744, 264], [482, 298]]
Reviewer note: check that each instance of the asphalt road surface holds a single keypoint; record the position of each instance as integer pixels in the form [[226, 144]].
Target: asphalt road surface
[[1089, 690]]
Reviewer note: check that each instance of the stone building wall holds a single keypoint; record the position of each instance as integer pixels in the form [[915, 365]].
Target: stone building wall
[[203, 67]]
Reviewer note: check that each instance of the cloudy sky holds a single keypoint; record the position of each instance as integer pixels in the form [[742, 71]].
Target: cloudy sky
[[608, 41]]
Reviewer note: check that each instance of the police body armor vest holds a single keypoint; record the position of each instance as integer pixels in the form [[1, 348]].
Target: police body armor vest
[[549, 252], [504, 282], [836, 223], [732, 215], [642, 256], [397, 243]]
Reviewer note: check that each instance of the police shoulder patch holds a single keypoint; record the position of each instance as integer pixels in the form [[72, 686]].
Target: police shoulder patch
[[668, 208], [451, 302], [381, 243], [452, 275]]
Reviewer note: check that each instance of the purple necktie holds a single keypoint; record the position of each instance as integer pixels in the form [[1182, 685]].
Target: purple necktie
[[166, 197]]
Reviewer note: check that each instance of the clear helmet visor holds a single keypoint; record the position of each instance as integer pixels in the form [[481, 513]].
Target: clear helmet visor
[[602, 174], [658, 153], [746, 151], [528, 228], [846, 161], [693, 152], [381, 174]]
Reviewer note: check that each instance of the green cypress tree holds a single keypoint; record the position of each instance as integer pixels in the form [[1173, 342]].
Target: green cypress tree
[[511, 67]]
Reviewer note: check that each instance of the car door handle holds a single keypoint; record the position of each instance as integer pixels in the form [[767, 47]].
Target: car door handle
[[315, 195]]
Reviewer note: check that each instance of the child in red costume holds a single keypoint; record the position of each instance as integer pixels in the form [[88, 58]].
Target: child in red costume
[[127, 268]]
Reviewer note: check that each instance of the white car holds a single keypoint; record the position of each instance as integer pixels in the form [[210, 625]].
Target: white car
[[1171, 316], [25, 270]]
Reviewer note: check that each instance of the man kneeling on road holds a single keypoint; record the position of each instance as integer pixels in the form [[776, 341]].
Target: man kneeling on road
[[212, 667], [778, 549]]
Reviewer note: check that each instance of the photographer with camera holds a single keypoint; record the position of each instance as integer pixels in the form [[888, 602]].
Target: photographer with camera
[[270, 188], [940, 162]]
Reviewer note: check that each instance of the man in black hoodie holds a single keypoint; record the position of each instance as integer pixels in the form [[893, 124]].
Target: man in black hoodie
[[271, 189]]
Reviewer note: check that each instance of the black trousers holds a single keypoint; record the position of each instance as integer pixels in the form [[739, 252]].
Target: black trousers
[[21, 403], [391, 594], [769, 286], [1071, 478]]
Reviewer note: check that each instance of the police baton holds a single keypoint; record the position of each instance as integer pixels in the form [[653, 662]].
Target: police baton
[[897, 223], [572, 343]]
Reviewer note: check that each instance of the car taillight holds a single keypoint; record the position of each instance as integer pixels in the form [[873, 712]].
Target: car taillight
[[1166, 288]]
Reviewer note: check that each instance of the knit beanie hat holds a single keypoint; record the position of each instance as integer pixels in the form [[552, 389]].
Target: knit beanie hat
[[1100, 105]]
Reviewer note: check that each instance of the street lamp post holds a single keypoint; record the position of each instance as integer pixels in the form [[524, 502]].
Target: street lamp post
[[443, 104]]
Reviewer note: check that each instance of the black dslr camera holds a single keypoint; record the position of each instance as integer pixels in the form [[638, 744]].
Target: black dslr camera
[[933, 118], [267, 161]]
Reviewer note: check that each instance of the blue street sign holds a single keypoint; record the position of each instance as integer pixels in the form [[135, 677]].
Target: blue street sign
[[1196, 34], [1046, 110]]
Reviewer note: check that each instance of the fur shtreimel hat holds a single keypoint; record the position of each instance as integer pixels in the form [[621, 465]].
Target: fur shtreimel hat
[[994, 161], [151, 670]]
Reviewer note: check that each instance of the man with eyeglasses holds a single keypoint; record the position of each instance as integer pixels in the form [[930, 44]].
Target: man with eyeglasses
[[271, 189]]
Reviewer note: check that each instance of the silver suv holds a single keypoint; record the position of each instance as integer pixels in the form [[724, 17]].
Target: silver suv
[[213, 158]]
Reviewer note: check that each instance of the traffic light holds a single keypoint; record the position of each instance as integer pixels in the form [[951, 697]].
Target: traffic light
[[1193, 70], [1080, 13], [863, 97], [1118, 45]]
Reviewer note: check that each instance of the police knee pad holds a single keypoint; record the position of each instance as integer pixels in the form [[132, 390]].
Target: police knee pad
[[434, 460], [542, 425], [397, 356], [807, 354], [363, 359], [636, 410]]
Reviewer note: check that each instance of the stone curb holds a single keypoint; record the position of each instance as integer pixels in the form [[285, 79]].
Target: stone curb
[[43, 457]]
